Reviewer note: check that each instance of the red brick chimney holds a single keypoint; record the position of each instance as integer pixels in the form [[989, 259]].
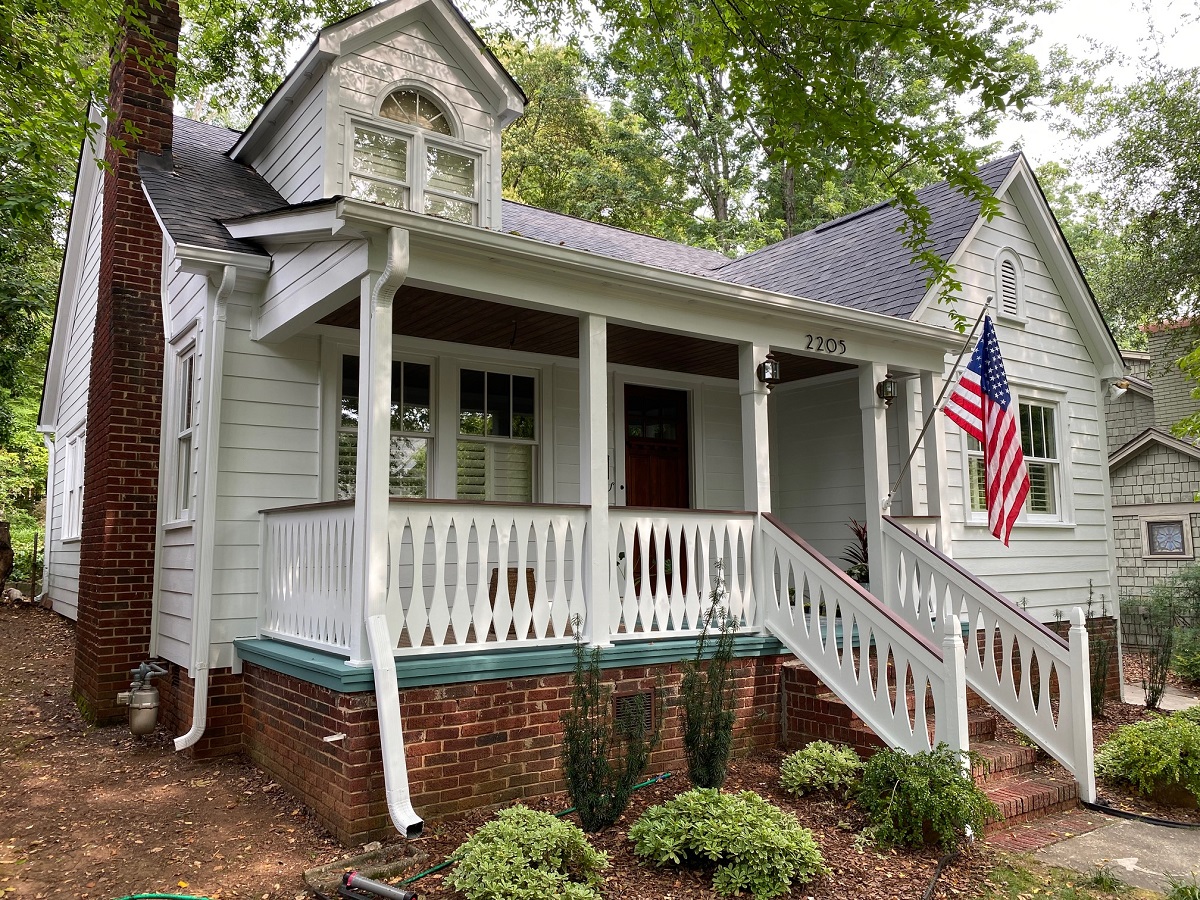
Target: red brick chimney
[[120, 492]]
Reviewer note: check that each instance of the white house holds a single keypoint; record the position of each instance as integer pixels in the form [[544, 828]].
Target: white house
[[411, 432]]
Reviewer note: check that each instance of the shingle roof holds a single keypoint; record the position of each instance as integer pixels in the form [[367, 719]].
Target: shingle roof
[[200, 186], [860, 259], [605, 240]]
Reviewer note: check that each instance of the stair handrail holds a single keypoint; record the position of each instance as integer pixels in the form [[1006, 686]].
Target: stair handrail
[[911, 651], [924, 585]]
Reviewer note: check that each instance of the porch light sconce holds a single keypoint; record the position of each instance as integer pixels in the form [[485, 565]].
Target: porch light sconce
[[768, 371], [1117, 388], [888, 390]]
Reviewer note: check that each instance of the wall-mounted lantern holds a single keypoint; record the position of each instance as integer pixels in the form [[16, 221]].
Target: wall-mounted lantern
[[888, 390], [768, 371]]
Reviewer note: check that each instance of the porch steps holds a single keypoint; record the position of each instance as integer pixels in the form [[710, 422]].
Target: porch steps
[[1017, 778]]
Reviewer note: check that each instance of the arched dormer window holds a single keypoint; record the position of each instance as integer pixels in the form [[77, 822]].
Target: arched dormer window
[[1010, 286], [408, 159]]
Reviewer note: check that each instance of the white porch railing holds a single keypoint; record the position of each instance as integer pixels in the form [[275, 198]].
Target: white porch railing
[[887, 672], [1022, 669], [927, 528], [307, 572], [666, 567]]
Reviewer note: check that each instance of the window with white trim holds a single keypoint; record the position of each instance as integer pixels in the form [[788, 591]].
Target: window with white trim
[[497, 436], [411, 429], [187, 409], [72, 521], [1010, 286], [1039, 443], [1167, 537], [421, 167]]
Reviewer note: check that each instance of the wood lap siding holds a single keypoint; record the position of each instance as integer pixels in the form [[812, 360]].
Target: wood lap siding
[[293, 160], [1057, 562], [269, 457], [817, 462], [176, 586], [63, 586], [719, 425]]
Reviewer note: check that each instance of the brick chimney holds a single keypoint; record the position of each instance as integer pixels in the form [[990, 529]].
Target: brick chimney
[[120, 493]]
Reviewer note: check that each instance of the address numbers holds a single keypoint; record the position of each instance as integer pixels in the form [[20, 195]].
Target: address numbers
[[821, 344]]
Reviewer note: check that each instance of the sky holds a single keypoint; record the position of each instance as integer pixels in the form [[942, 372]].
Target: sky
[[1120, 24]]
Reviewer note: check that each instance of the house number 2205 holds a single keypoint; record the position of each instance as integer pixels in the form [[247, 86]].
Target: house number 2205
[[825, 344]]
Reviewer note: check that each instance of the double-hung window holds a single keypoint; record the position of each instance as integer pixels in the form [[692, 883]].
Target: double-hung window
[[411, 421], [497, 436], [420, 167], [72, 522], [186, 413], [1039, 443]]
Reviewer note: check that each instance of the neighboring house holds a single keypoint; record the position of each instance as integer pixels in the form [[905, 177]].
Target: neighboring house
[[1155, 476], [360, 448]]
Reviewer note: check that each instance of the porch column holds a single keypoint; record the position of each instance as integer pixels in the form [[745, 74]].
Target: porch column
[[875, 469], [937, 501], [388, 265], [593, 474], [756, 464]]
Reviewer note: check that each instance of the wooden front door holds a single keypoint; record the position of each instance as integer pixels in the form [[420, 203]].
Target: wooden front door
[[657, 470]]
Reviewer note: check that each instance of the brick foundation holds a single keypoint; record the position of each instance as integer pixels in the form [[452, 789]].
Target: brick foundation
[[120, 508], [1099, 629], [223, 729], [468, 745]]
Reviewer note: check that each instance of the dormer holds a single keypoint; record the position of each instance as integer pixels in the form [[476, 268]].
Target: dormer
[[401, 105]]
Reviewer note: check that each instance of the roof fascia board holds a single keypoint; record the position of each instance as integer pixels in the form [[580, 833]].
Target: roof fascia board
[[88, 180], [295, 226], [931, 296], [761, 310], [213, 260], [1150, 436], [296, 83]]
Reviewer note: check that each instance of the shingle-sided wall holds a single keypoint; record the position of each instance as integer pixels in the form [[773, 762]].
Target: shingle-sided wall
[[1156, 475], [1172, 390], [1128, 416], [1136, 575]]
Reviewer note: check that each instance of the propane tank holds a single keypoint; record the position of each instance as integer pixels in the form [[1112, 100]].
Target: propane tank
[[142, 698]]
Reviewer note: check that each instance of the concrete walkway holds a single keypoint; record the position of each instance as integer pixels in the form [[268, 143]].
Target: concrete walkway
[[1139, 854]]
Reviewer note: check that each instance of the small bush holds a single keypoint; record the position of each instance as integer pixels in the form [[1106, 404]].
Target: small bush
[[757, 847], [602, 759], [523, 854], [1104, 879], [706, 695], [1186, 662], [1155, 754], [820, 767], [913, 799]]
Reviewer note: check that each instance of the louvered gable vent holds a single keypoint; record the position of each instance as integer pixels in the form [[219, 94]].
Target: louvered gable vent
[[1009, 301]]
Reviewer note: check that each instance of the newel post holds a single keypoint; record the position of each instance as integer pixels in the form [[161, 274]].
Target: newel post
[[1081, 705], [593, 475], [954, 702]]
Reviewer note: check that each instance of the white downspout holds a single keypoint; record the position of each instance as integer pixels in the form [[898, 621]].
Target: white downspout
[[207, 490], [371, 518]]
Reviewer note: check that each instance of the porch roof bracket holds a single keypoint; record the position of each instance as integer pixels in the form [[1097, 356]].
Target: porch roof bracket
[[371, 516]]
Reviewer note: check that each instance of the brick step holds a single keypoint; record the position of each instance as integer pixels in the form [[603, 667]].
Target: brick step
[[1030, 796], [1001, 760]]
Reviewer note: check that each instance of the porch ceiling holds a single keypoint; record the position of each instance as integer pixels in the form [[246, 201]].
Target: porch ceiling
[[423, 313]]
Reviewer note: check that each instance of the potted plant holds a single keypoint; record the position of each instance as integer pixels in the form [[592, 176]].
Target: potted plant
[[855, 553]]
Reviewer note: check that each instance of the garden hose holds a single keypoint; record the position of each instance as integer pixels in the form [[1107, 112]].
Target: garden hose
[[162, 897], [1137, 817]]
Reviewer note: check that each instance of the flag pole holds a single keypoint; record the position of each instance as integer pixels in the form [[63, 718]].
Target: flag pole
[[887, 501]]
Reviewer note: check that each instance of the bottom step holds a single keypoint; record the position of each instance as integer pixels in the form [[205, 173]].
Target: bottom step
[[1029, 796]]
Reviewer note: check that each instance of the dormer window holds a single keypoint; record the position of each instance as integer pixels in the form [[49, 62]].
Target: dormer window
[[417, 163]]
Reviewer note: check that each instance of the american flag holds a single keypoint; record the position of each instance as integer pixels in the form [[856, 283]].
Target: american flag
[[982, 405]]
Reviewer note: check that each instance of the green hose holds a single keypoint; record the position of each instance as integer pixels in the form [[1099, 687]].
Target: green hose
[[162, 897], [566, 812]]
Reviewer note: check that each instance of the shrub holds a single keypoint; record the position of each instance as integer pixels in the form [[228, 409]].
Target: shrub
[[707, 697], [1186, 662], [1155, 754], [523, 854], [820, 767], [913, 799], [602, 759], [757, 847]]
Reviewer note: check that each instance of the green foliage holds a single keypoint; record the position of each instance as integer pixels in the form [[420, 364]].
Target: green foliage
[[1157, 753], [1101, 658], [910, 798], [1182, 888], [602, 758], [756, 847], [1104, 879], [857, 554], [707, 697], [527, 855], [1163, 620], [820, 766], [1186, 661]]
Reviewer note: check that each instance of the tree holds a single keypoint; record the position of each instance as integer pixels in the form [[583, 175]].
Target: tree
[[571, 155], [795, 74]]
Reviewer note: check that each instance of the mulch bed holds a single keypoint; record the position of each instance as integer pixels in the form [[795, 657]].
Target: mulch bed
[[858, 870]]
